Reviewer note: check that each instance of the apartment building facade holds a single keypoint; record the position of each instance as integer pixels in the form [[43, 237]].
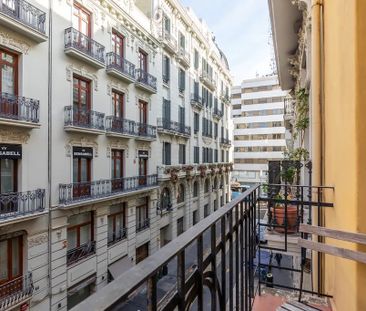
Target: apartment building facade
[[259, 131], [114, 140]]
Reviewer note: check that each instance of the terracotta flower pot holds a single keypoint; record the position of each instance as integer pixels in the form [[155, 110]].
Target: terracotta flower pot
[[278, 217]]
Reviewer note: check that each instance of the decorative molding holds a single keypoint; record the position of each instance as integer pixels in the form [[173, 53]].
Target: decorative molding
[[116, 144], [14, 136], [83, 142], [142, 146], [81, 71], [37, 240], [121, 87], [9, 40]]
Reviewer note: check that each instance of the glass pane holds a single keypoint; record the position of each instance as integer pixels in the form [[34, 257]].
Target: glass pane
[[71, 239], [118, 168], [7, 175], [4, 275], [75, 168], [15, 257], [85, 234], [110, 229], [84, 170], [7, 79]]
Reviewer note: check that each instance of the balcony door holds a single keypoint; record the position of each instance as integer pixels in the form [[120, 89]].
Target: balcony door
[[82, 158], [117, 104], [143, 60], [81, 102], [118, 47], [8, 84], [143, 158], [81, 20], [143, 117], [8, 184], [11, 265], [117, 169]]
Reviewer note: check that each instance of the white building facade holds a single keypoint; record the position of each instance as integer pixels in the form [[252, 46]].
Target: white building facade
[[114, 139], [259, 130]]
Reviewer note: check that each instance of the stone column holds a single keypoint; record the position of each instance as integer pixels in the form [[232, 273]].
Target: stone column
[[131, 228], [101, 239], [154, 223]]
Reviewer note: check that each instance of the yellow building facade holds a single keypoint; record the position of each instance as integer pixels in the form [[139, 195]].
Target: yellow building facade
[[320, 45]]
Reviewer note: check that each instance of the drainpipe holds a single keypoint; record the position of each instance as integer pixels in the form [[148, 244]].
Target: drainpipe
[[49, 151], [317, 119]]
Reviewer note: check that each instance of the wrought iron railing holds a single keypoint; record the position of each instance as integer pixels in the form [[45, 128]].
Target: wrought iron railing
[[183, 54], [76, 254], [15, 204], [20, 108], [169, 38], [25, 13], [146, 78], [207, 78], [217, 113], [197, 100], [14, 291], [84, 118], [175, 127], [146, 130], [79, 191], [122, 126], [225, 141], [142, 224], [119, 63], [77, 40], [115, 237], [216, 255], [289, 105]]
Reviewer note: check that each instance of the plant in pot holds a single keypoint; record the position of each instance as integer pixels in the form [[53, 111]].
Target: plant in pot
[[286, 218]]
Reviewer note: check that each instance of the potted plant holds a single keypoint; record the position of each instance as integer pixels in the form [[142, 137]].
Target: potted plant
[[279, 217]]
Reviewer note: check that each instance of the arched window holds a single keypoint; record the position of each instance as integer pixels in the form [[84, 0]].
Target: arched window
[[195, 189], [165, 199], [207, 185], [181, 194]]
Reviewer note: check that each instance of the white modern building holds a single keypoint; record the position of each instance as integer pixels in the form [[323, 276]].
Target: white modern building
[[259, 130], [114, 139]]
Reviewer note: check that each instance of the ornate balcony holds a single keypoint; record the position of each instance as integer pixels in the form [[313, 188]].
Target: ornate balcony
[[83, 47], [207, 80], [184, 58], [104, 189], [142, 225], [120, 68], [126, 128], [169, 42], [289, 115], [19, 111], [217, 113], [225, 142], [16, 292], [83, 121], [24, 18], [84, 251], [146, 81], [18, 205], [166, 126], [196, 101], [225, 98]]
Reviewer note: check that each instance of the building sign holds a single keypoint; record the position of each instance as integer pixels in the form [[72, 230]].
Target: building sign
[[10, 151], [82, 152], [143, 154]]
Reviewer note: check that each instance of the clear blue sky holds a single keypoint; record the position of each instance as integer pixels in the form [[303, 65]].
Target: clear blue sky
[[242, 31]]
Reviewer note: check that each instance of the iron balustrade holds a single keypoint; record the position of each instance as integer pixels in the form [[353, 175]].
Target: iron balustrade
[[146, 130], [76, 254], [183, 54], [207, 78], [224, 247], [122, 65], [225, 141], [218, 113], [81, 191], [25, 13], [84, 44], [16, 204], [84, 118], [145, 78], [197, 100], [142, 224], [175, 127], [115, 237], [168, 37], [14, 291], [14, 107], [122, 126], [289, 108]]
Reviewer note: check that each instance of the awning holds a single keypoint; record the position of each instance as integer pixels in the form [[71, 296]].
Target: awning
[[120, 266]]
